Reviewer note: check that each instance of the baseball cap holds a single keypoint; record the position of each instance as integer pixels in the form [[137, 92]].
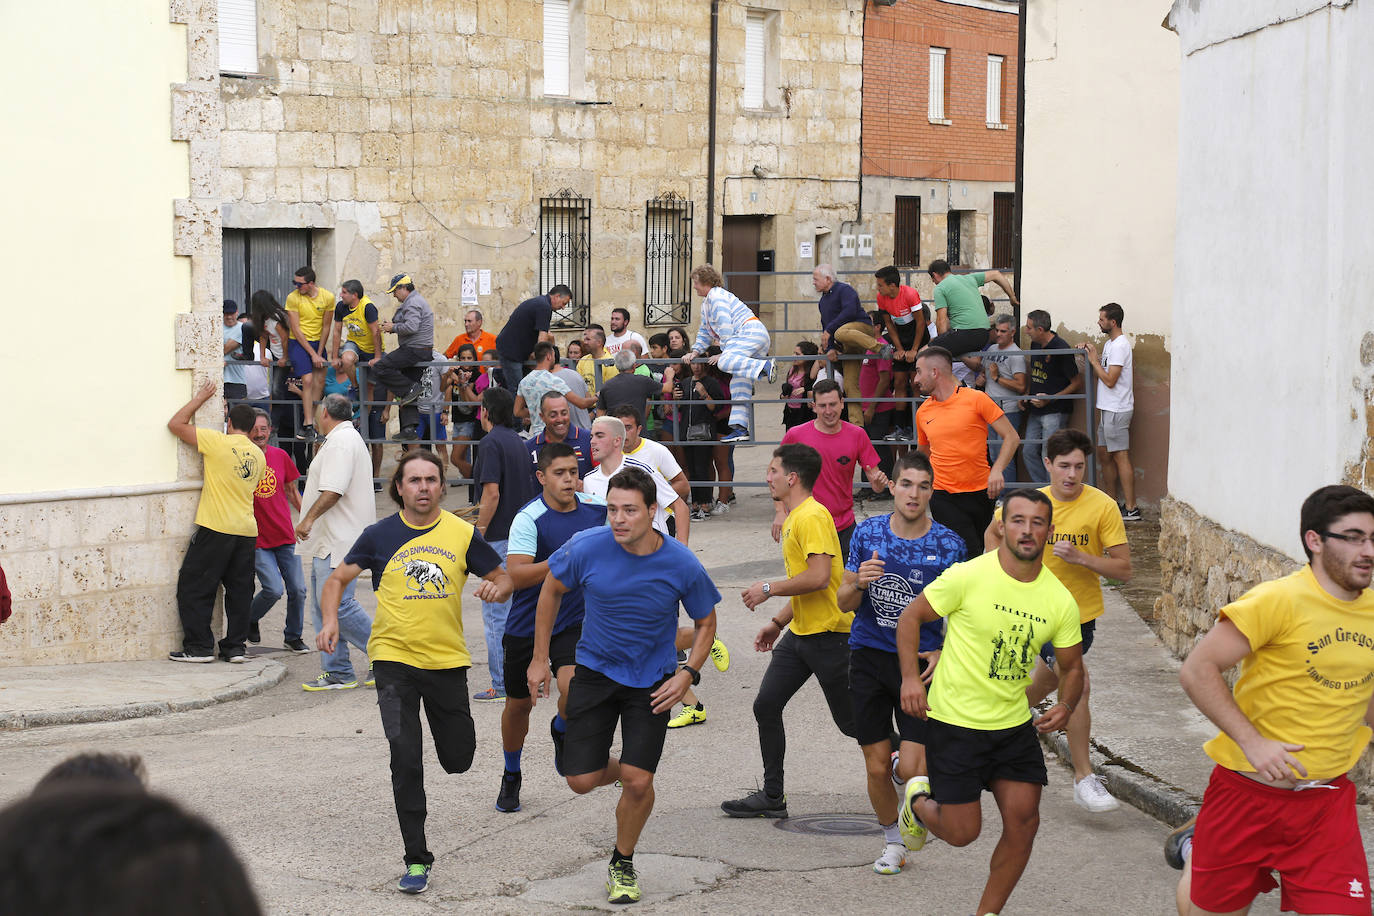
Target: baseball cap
[[398, 280]]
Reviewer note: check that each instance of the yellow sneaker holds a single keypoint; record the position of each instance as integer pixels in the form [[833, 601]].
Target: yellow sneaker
[[720, 656], [690, 715], [913, 831], [622, 884]]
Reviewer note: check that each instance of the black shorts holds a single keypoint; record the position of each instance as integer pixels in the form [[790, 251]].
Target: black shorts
[[1088, 629], [595, 704], [519, 652], [965, 761], [875, 689], [906, 336]]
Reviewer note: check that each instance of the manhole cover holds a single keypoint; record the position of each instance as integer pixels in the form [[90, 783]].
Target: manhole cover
[[831, 824]]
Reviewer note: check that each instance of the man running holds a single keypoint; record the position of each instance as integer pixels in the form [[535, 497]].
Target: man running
[[818, 644], [1089, 541], [420, 557], [1297, 720], [998, 608], [541, 527], [891, 559], [633, 579]]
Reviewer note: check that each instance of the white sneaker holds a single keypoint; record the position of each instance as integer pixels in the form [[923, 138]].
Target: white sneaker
[[891, 861], [719, 508], [1090, 793], [897, 781]]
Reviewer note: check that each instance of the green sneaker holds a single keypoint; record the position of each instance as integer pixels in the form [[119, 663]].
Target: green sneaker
[[329, 682], [913, 831], [720, 656], [371, 680], [622, 884]]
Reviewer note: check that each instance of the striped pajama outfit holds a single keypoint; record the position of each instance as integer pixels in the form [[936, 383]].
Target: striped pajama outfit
[[744, 343]]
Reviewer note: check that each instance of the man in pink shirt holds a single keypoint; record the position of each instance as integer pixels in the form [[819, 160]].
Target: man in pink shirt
[[843, 446], [278, 567]]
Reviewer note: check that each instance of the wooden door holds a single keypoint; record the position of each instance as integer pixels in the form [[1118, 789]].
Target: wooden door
[[740, 252]]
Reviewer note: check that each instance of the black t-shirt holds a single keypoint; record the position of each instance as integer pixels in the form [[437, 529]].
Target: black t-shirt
[[628, 388], [1051, 375], [696, 409], [521, 333], [503, 459]]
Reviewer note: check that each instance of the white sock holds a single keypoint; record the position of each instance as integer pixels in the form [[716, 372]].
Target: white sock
[[891, 834]]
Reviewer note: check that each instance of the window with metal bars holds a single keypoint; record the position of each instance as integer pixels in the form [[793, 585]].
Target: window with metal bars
[[667, 260], [906, 232], [565, 253]]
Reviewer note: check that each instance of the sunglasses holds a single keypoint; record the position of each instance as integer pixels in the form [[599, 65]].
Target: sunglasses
[[297, 283]]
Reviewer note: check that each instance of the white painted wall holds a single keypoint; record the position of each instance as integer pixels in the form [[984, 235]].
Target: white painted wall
[[1274, 257], [1100, 162]]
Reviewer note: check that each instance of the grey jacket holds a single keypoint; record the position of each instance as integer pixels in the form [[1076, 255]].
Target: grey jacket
[[414, 322]]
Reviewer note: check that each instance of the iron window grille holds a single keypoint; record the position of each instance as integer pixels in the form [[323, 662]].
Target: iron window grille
[[667, 260], [565, 254]]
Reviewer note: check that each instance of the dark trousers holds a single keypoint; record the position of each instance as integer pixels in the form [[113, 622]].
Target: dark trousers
[[962, 340], [700, 466], [214, 559], [967, 514], [877, 428], [400, 688], [396, 373], [795, 659]]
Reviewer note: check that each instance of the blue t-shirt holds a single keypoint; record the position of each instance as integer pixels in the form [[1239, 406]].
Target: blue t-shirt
[[539, 530], [502, 460], [909, 566], [579, 440], [630, 627]]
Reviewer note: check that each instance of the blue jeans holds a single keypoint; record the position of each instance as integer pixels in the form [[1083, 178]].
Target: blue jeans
[[354, 625], [279, 572], [1040, 426], [995, 446], [512, 371], [494, 625]]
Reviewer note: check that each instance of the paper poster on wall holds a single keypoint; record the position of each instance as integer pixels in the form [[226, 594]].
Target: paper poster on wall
[[804, 251], [484, 282], [470, 286]]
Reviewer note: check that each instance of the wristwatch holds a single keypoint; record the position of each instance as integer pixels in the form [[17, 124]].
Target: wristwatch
[[696, 675], [767, 590]]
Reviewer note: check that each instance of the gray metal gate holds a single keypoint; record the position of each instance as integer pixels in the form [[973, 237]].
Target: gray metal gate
[[263, 259]]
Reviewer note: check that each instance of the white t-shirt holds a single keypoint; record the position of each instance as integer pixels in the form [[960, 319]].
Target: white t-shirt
[[342, 466], [657, 454], [598, 482], [256, 376], [1120, 398], [613, 344]]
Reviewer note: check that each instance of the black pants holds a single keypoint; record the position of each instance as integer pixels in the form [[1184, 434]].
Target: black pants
[[214, 559], [962, 340], [795, 659], [967, 514], [877, 428], [445, 692], [700, 467], [396, 373]]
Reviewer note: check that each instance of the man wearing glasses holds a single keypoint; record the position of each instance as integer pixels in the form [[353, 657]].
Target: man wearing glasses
[[310, 310], [1298, 718]]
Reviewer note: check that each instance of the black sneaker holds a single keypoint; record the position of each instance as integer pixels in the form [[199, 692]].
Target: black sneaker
[[195, 658], [1131, 515], [254, 634], [1173, 845], [558, 739], [756, 804], [508, 799], [297, 647], [411, 396], [408, 434], [236, 657], [306, 433]]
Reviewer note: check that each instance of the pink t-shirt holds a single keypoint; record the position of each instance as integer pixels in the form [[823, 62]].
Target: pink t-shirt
[[841, 453], [869, 373], [270, 506]]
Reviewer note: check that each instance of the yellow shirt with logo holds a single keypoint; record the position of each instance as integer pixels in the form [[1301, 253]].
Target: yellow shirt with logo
[[355, 327], [418, 575], [1092, 523], [586, 367], [234, 467], [994, 628], [311, 312], [810, 529], [1309, 675]]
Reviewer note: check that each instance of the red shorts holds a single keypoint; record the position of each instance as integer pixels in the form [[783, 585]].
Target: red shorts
[[1246, 830]]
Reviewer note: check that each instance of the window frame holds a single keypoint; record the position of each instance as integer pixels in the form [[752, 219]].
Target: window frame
[[996, 68], [937, 91], [238, 30]]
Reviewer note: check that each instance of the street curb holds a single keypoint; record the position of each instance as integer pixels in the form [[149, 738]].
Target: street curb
[[267, 677], [1150, 794]]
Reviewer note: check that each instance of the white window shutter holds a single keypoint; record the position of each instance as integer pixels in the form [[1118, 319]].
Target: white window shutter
[[556, 47], [754, 49], [937, 84], [238, 36], [994, 89]]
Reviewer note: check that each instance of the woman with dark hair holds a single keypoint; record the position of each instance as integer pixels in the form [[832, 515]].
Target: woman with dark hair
[[703, 404], [797, 386], [270, 320], [678, 339], [468, 385], [674, 389], [723, 455]]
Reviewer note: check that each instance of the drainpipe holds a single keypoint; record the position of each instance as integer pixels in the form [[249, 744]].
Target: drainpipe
[[1020, 153], [711, 136]]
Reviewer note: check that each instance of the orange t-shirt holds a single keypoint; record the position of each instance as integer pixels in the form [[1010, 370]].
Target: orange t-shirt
[[484, 342], [954, 433]]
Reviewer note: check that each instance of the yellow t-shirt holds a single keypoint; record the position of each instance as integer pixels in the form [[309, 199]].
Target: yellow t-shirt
[[1309, 674], [995, 626], [808, 529], [234, 467], [1092, 523], [311, 311], [586, 367], [355, 327]]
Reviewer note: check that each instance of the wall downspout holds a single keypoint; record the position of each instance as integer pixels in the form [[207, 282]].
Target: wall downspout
[[711, 136], [1020, 153]]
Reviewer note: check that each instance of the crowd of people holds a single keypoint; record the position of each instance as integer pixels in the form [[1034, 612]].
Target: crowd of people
[[936, 632]]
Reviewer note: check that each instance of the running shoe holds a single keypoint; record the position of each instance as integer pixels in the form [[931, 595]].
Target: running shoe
[[719, 508], [891, 861], [411, 396], [297, 647], [1131, 515], [306, 432], [736, 434], [756, 804], [896, 435], [408, 434], [558, 739], [371, 680], [415, 880], [195, 658], [491, 693], [622, 884], [720, 656], [508, 798], [237, 657], [914, 833], [770, 369], [1090, 793], [896, 780], [327, 681], [1179, 844], [690, 715], [700, 515]]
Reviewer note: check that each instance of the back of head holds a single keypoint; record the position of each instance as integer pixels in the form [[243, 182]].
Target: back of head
[[1038, 319], [337, 406], [542, 351], [624, 360], [94, 767], [707, 275], [499, 405], [938, 268], [241, 418], [802, 460], [562, 289]]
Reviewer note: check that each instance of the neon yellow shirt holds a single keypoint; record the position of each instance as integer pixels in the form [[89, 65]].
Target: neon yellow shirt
[[355, 327], [234, 467], [1309, 674], [995, 626], [311, 312], [586, 367], [810, 529]]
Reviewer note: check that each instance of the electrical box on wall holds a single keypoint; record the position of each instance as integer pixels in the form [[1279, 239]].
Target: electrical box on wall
[[764, 262], [865, 246], [846, 246]]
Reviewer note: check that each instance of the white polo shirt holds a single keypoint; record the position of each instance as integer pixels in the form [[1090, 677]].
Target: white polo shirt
[[344, 466]]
